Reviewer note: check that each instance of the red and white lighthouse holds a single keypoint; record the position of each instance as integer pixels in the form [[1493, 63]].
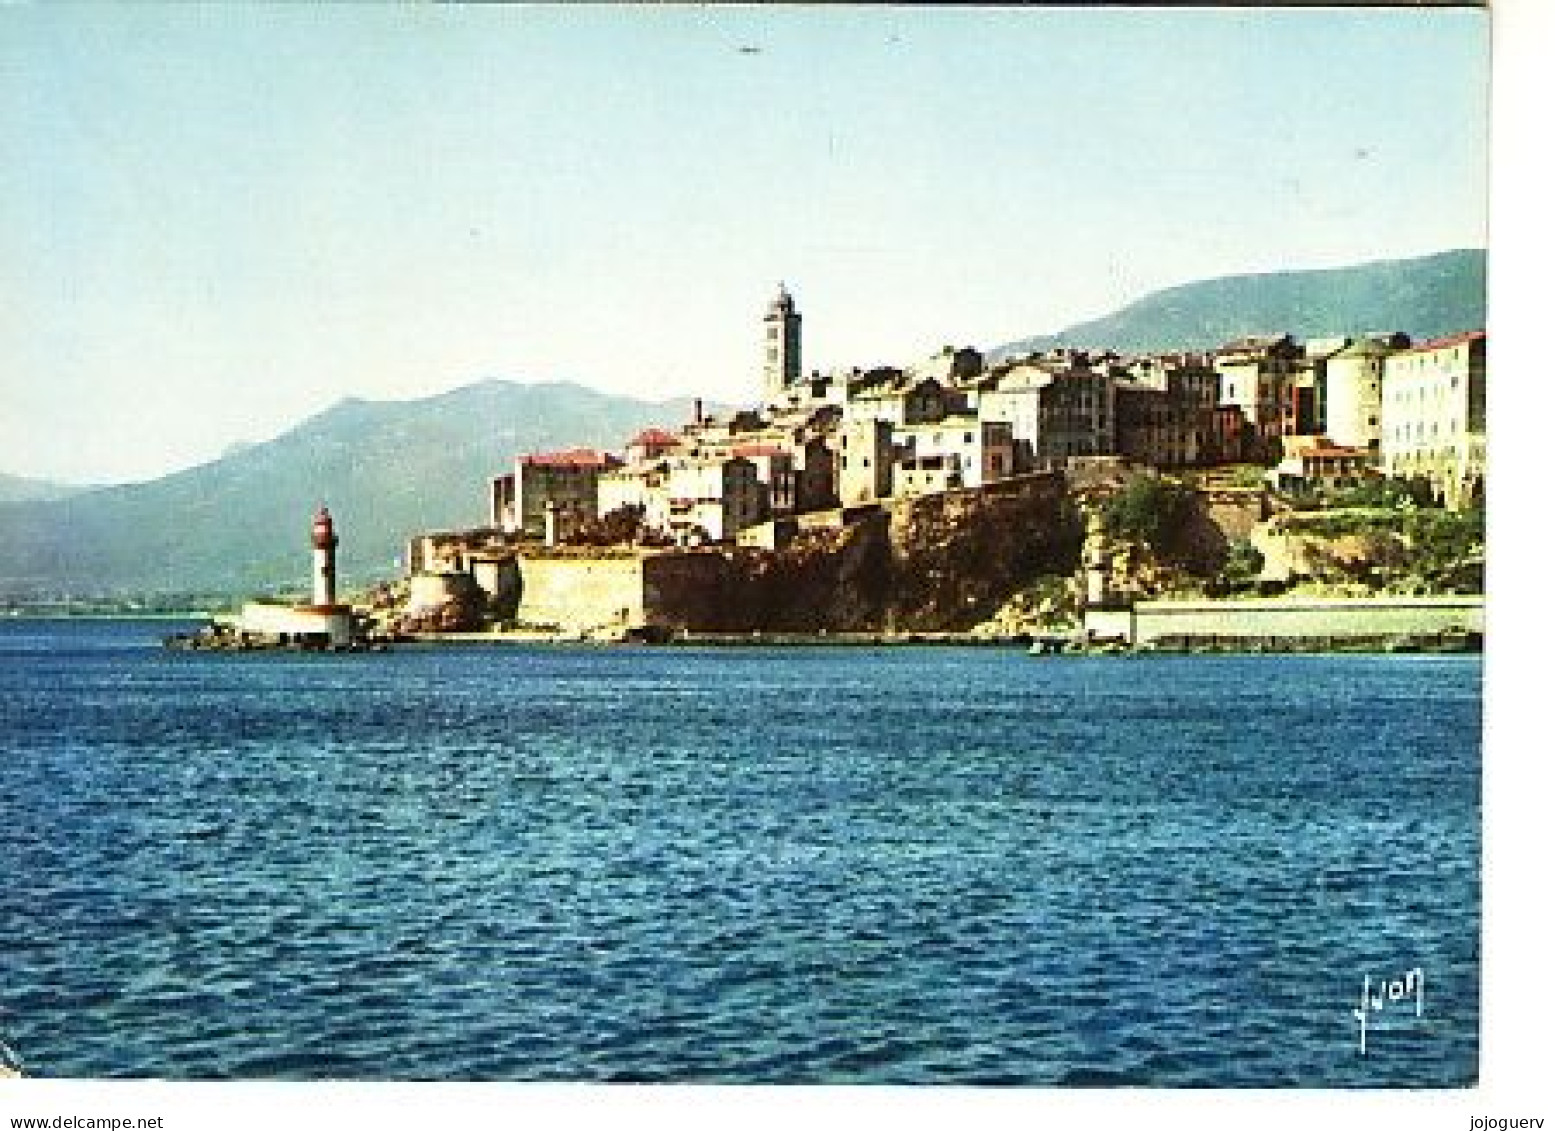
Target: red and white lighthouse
[[324, 543]]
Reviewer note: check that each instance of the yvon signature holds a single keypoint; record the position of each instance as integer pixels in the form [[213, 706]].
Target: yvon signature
[[1396, 994]]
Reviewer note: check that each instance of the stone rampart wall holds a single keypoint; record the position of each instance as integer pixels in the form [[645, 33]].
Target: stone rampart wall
[[1296, 618], [574, 592], [579, 593]]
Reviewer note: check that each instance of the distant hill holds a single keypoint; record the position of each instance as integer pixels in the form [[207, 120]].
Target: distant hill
[[20, 489], [1426, 297], [240, 523]]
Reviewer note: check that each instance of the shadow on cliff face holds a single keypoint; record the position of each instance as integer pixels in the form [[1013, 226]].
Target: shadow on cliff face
[[1199, 545], [935, 564]]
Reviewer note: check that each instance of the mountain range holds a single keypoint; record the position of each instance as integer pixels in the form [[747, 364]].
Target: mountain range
[[1426, 297], [240, 523], [390, 468], [20, 489]]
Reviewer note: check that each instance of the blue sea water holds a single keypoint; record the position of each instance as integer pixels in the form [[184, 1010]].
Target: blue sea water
[[819, 865]]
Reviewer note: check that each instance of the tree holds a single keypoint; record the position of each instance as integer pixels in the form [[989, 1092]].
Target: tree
[[620, 527], [1149, 509], [1243, 564]]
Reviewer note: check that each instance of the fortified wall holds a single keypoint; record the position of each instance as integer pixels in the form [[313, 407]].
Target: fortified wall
[[578, 590], [935, 563]]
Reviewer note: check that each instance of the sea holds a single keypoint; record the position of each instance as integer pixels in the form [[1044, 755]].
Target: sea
[[818, 865]]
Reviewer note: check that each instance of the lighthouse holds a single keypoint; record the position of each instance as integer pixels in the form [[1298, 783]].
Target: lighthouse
[[324, 542], [320, 624]]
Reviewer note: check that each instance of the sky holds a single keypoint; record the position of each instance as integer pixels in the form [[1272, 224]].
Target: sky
[[215, 221]]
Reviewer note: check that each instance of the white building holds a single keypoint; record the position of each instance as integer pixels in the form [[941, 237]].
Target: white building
[[958, 451], [1433, 416], [711, 500], [865, 460], [1352, 394]]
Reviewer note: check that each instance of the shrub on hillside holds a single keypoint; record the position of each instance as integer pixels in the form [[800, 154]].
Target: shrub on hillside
[[1381, 492], [1243, 564], [1151, 510]]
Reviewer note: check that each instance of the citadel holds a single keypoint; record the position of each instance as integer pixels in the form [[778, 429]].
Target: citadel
[[586, 541]]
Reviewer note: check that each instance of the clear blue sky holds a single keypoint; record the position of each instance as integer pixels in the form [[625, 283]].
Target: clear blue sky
[[216, 220]]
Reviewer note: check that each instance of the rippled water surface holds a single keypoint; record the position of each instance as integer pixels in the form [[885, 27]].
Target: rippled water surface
[[761, 865]]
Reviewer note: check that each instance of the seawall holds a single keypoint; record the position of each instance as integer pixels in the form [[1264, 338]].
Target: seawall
[[1288, 620]]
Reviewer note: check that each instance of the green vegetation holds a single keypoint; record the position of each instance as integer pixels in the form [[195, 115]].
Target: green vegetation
[[1151, 510], [1248, 475], [1383, 492], [1345, 523], [1242, 566], [1404, 547]]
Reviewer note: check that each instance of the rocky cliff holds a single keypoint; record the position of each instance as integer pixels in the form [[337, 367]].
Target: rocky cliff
[[941, 563]]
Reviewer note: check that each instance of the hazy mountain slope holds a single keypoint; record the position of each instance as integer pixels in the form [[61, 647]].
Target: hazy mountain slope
[[1425, 297], [385, 468], [20, 489]]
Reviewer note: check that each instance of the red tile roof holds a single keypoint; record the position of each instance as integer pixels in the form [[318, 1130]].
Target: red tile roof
[[656, 438], [1325, 447], [572, 457], [1450, 340], [757, 450]]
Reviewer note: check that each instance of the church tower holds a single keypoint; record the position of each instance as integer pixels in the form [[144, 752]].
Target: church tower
[[781, 369]]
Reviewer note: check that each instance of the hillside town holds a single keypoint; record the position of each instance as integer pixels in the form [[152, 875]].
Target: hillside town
[[1326, 412], [825, 449]]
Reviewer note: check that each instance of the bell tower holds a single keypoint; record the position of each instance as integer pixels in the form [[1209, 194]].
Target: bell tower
[[781, 364]]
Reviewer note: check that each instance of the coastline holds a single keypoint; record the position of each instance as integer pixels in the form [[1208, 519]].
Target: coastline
[[1046, 645]]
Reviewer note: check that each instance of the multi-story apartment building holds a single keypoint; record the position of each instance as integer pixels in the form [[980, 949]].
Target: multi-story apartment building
[[1433, 416], [958, 451], [643, 486], [1166, 411], [1053, 413], [774, 464], [1254, 373], [904, 401], [865, 461], [711, 500], [567, 480], [1152, 429]]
